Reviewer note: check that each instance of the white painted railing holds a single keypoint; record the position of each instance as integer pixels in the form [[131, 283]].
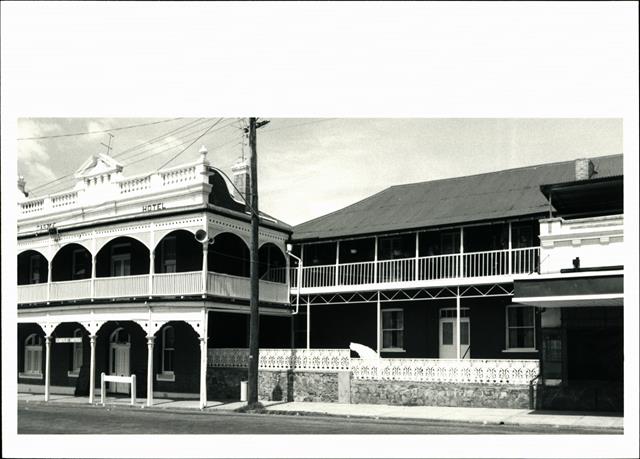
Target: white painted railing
[[475, 371], [453, 266], [136, 184], [283, 359], [33, 293], [129, 286], [64, 199], [188, 283], [71, 290], [229, 286]]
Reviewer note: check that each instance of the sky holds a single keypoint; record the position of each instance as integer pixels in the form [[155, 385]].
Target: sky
[[308, 167]]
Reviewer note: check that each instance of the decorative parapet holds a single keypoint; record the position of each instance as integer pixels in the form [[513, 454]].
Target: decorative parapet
[[283, 359], [473, 371]]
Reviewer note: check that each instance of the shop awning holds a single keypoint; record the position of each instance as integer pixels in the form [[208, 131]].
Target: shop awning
[[570, 291]]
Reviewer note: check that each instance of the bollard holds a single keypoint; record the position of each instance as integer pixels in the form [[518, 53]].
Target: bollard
[[102, 388], [243, 391], [133, 389]]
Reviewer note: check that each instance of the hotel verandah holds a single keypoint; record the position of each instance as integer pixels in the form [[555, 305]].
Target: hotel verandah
[[426, 276]]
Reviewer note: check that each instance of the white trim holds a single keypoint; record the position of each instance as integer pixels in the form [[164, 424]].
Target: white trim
[[30, 375], [565, 275], [524, 327], [603, 296], [166, 376], [73, 374], [520, 349], [382, 330]]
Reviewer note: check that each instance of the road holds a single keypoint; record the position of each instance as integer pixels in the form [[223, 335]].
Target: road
[[57, 419]]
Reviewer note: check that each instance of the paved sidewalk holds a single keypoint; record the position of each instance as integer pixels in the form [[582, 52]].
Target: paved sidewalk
[[609, 421]]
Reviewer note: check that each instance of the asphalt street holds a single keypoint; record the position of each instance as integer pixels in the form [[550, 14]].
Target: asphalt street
[[57, 419]]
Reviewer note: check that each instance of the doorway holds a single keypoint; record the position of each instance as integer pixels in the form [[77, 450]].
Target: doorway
[[119, 351], [447, 333]]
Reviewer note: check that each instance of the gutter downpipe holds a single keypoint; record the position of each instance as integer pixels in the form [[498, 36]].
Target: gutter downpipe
[[299, 278]]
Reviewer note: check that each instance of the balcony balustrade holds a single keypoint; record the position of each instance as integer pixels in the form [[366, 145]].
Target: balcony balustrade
[[168, 284], [437, 267]]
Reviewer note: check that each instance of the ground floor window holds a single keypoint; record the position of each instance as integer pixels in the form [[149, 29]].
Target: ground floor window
[[33, 355], [392, 330], [168, 351], [521, 327]]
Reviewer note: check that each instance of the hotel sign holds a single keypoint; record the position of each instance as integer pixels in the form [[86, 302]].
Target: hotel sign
[[153, 207], [76, 339]]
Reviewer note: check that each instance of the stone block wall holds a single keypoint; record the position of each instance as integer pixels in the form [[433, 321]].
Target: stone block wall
[[439, 394], [283, 385], [581, 396]]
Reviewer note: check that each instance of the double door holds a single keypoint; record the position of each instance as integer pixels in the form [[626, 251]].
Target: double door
[[448, 327]]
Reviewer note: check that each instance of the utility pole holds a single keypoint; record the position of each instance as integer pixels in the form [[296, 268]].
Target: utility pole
[[254, 319]]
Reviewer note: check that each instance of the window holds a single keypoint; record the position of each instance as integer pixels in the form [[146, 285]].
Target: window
[[168, 350], [168, 254], [121, 260], [34, 269], [76, 355], [79, 264], [521, 327], [33, 356], [393, 330]]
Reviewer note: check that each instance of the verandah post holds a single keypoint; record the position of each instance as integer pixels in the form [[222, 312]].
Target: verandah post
[[47, 367], [458, 322], [378, 324], [510, 251], [92, 369], [150, 341]]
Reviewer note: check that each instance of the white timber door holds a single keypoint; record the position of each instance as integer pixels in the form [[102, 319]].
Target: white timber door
[[119, 351], [448, 334]]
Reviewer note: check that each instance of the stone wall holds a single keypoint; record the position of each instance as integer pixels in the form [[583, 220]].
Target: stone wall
[[439, 394], [307, 386]]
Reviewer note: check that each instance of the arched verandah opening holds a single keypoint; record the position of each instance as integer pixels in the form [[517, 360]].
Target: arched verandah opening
[[33, 268], [178, 252], [272, 263], [71, 262], [122, 256], [229, 254]]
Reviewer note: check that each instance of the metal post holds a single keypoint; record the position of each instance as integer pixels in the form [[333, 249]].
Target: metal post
[[203, 360], [510, 251], [47, 366], [337, 261], [417, 253], [458, 323], [133, 390], [93, 276], [102, 388], [308, 322], [375, 259], [461, 251], [49, 281], [378, 324], [150, 341], [205, 266], [152, 269], [92, 369]]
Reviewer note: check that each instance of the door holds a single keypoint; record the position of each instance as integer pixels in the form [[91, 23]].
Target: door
[[119, 366], [121, 265], [447, 334]]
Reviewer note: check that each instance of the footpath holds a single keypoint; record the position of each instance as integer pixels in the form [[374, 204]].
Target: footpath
[[610, 422]]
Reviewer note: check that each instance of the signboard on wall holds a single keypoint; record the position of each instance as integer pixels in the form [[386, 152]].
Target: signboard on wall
[[75, 339]]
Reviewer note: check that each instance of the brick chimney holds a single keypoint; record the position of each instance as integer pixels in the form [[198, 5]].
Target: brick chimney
[[584, 169], [241, 178]]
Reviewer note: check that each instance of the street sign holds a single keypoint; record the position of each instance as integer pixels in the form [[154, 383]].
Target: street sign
[[76, 339]]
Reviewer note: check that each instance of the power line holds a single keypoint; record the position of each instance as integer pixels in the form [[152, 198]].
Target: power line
[[98, 132], [300, 124], [148, 142], [187, 147]]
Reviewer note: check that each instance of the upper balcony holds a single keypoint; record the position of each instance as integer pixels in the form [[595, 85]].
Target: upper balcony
[[486, 253], [125, 267]]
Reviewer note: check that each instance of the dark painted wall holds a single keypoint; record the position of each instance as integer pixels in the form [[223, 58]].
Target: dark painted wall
[[338, 325]]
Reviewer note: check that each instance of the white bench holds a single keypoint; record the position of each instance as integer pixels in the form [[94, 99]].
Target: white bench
[[118, 379]]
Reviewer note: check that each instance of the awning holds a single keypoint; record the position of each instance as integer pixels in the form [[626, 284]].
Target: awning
[[570, 291]]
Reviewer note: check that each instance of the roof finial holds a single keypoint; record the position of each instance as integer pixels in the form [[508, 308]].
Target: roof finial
[[203, 153]]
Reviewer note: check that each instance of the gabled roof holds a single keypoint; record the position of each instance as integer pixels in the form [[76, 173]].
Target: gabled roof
[[98, 165], [481, 197]]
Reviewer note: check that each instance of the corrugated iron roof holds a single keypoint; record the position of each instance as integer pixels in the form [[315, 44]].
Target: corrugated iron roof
[[493, 195]]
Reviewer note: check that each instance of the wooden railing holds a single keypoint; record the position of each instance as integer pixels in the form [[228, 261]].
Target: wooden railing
[[166, 284], [453, 266]]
